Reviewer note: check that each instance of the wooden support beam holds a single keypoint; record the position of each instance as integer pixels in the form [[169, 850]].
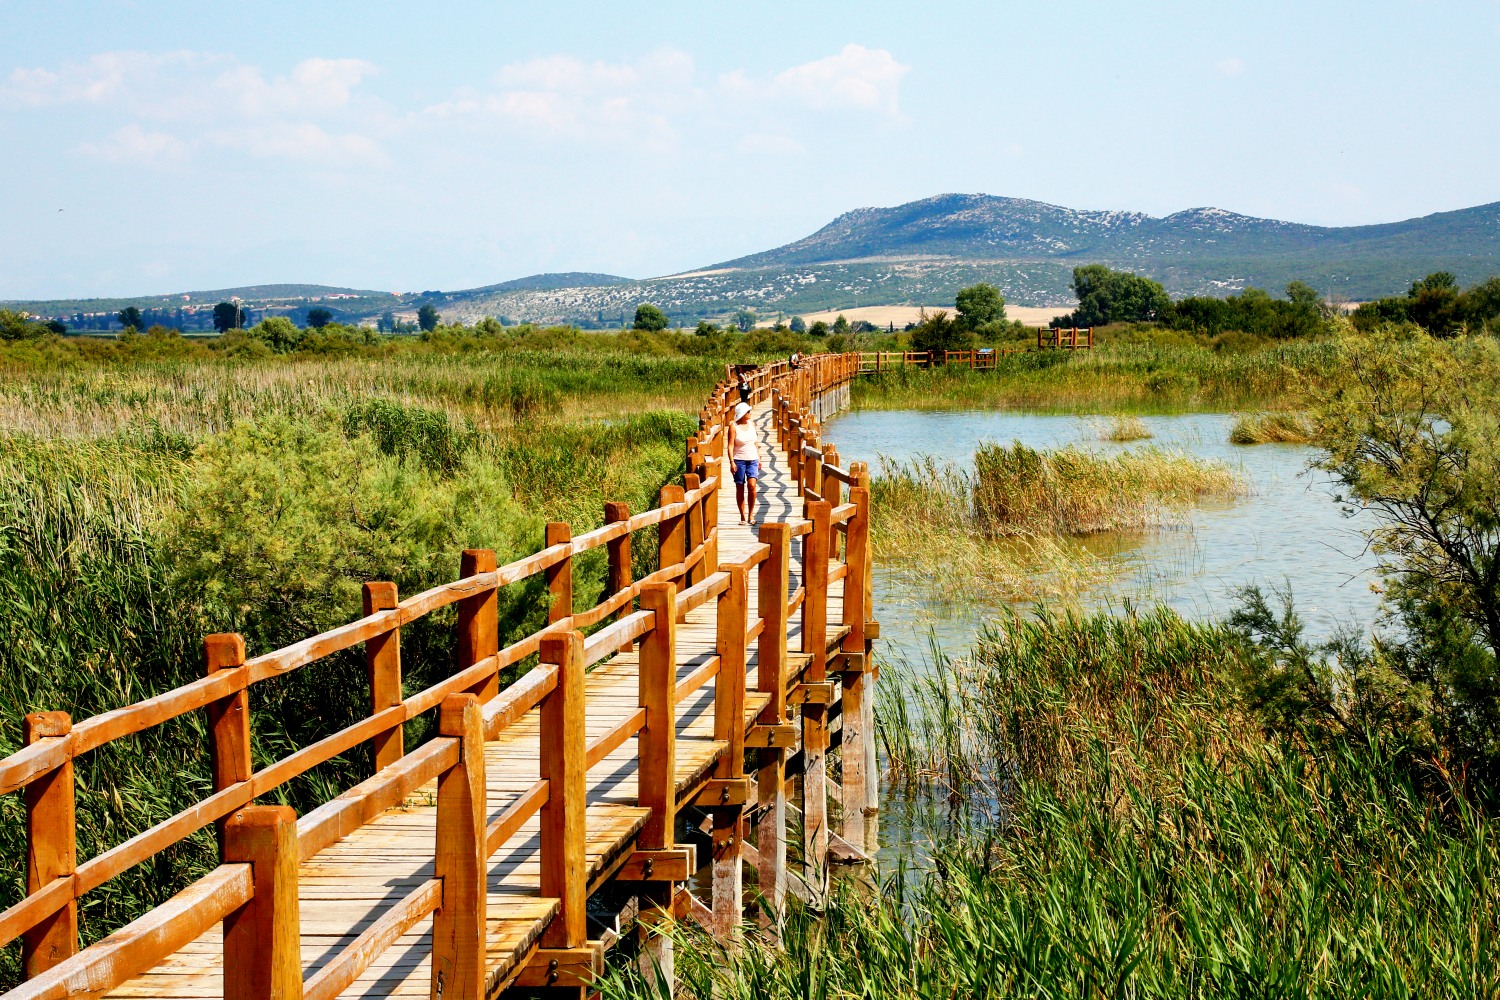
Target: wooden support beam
[[674, 865], [478, 622], [671, 532], [780, 736], [772, 726], [263, 938], [383, 668], [51, 847], [458, 926], [700, 571], [718, 792], [559, 577], [813, 693], [621, 571], [228, 719], [563, 968], [564, 749]]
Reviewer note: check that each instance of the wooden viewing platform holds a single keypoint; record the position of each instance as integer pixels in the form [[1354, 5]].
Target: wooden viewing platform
[[548, 821]]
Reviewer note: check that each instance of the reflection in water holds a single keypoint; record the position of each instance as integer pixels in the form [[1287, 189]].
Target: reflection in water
[[1290, 529]]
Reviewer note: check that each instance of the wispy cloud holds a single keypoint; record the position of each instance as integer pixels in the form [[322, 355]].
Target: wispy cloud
[[135, 145], [1231, 66], [857, 78]]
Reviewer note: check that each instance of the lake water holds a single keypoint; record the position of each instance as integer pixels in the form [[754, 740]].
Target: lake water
[[1289, 527]]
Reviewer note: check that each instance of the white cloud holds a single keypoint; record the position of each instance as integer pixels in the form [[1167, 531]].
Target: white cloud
[[315, 86], [1232, 66], [133, 144], [302, 141], [152, 85], [857, 78]]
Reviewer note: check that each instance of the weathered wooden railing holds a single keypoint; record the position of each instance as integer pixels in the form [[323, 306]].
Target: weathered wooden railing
[[253, 892], [1066, 338]]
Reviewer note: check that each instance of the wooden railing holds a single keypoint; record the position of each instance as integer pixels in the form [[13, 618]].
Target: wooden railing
[[253, 892], [1064, 338]]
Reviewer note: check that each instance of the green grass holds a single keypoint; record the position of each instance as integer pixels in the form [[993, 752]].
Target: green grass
[[1113, 378], [1111, 822], [1272, 428], [148, 501]]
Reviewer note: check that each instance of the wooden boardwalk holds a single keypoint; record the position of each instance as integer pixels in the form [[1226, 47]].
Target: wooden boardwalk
[[573, 846]]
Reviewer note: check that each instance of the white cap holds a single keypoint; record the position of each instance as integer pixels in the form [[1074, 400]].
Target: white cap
[[740, 409]]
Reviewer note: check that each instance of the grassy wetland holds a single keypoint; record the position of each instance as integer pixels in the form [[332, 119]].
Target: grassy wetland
[[154, 490]]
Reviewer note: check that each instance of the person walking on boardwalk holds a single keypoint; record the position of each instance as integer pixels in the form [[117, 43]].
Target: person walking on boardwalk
[[746, 391], [746, 456]]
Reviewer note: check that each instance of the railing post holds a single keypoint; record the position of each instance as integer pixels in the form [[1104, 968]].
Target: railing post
[[228, 719], [854, 790], [621, 571], [814, 472], [656, 775], [832, 490], [770, 676], [698, 573], [51, 847], [263, 938], [560, 576], [815, 556], [564, 768], [383, 667], [478, 622], [458, 926], [671, 532], [729, 727]]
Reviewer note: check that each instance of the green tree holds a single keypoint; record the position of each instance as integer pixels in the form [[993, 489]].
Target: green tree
[[1412, 432], [745, 320], [979, 305], [428, 317], [228, 316], [705, 329], [938, 333], [1109, 296], [798, 325], [650, 318], [841, 326], [1434, 303], [387, 322], [130, 318], [318, 317], [18, 326], [278, 333], [818, 329]]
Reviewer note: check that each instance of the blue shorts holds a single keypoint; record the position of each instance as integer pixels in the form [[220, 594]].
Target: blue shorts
[[746, 470]]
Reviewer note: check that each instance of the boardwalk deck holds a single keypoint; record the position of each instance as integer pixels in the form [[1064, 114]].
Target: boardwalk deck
[[347, 886]]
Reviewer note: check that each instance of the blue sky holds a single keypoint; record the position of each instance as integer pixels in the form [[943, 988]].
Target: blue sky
[[203, 145]]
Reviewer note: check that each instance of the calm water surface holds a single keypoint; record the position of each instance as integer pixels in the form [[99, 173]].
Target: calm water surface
[[1289, 528]]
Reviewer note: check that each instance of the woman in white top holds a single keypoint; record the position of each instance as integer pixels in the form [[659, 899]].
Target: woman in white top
[[746, 457]]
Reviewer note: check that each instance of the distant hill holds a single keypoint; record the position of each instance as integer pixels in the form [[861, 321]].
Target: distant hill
[[983, 227], [921, 253]]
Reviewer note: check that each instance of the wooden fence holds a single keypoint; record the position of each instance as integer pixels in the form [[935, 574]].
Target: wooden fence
[[254, 891]]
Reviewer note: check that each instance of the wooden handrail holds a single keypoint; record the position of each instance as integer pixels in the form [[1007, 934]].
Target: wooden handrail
[[688, 552]]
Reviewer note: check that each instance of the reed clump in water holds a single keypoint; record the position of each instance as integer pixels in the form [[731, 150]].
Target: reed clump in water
[[1123, 427], [1124, 827], [1070, 491], [1272, 428]]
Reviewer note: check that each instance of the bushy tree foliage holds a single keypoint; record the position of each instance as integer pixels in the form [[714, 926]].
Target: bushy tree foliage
[[428, 317], [130, 318], [939, 333], [798, 325], [818, 329], [1109, 296], [278, 333], [228, 316], [841, 326], [979, 305], [745, 320], [318, 317], [16, 326], [1253, 311], [1438, 306], [649, 317]]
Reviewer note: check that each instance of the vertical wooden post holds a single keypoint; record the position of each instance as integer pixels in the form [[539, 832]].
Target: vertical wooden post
[[671, 532], [478, 622], [263, 938], [383, 667], [559, 577], [698, 573], [832, 490], [564, 767], [51, 847], [228, 719], [854, 791], [715, 472], [729, 727], [458, 926], [770, 674], [656, 775], [658, 738], [871, 673], [815, 717], [814, 472], [621, 571]]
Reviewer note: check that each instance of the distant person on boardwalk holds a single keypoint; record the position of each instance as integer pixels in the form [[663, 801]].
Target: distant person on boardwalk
[[795, 361], [746, 456], [744, 386]]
